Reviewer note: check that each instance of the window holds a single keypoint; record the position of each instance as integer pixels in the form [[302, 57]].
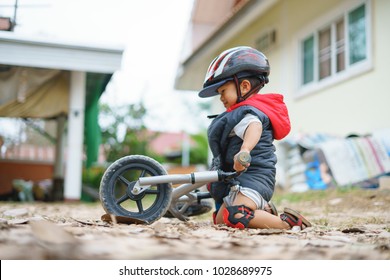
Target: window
[[324, 53], [357, 35], [335, 48], [308, 60], [340, 46]]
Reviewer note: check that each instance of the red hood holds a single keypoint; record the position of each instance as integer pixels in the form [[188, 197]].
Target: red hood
[[273, 106]]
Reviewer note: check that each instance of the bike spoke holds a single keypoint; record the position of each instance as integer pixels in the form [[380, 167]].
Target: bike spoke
[[124, 180], [142, 173], [149, 191], [122, 199], [140, 207]]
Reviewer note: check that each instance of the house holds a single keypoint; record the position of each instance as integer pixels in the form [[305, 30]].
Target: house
[[60, 80], [166, 143], [328, 58]]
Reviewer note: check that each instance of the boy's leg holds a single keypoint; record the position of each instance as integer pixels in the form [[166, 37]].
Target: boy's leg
[[262, 219], [219, 217]]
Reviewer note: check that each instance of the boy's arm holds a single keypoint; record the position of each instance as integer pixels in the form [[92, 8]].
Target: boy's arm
[[251, 138]]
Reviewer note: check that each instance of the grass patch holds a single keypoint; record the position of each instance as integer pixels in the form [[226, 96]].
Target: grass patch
[[298, 197], [354, 221], [317, 195], [321, 222]]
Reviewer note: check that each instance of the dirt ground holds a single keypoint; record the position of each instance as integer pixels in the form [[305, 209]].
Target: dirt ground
[[347, 224]]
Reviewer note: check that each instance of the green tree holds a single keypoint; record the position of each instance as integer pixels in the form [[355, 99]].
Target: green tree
[[124, 132], [199, 151]]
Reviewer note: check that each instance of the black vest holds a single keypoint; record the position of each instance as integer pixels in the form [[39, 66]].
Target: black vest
[[223, 147]]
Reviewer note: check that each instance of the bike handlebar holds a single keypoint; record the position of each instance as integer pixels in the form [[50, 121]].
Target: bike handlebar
[[226, 176], [244, 159]]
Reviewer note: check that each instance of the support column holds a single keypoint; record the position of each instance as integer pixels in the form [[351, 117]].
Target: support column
[[185, 150], [57, 193], [75, 136], [59, 153]]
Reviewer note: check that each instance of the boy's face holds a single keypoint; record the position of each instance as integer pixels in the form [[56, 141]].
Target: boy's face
[[228, 94]]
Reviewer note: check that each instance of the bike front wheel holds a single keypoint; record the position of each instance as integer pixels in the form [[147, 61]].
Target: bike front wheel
[[118, 182]]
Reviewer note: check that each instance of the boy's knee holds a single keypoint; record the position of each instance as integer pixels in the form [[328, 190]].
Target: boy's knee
[[237, 216]]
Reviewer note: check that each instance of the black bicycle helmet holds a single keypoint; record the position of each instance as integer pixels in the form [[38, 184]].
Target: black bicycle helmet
[[233, 64]]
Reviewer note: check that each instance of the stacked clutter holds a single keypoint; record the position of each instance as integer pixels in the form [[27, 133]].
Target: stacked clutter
[[319, 161], [357, 161], [296, 168]]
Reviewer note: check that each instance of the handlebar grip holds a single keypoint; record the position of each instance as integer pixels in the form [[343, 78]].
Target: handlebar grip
[[244, 158]]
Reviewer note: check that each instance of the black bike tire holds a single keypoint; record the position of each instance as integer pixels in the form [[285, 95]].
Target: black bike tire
[[201, 207], [107, 185]]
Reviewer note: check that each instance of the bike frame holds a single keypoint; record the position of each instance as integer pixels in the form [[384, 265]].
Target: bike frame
[[176, 200], [194, 178], [184, 193]]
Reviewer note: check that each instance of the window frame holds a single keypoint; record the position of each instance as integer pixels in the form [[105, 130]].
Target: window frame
[[331, 20]]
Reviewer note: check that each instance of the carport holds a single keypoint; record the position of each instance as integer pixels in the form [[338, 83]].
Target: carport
[[50, 79]]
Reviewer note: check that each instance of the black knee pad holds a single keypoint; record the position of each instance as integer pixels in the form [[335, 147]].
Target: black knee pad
[[230, 220]]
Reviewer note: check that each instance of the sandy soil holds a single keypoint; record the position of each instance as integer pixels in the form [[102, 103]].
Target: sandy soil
[[353, 224]]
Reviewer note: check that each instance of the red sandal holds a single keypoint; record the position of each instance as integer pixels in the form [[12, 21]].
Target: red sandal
[[294, 218]]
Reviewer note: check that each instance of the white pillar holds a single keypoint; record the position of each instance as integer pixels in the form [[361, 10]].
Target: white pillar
[[185, 150], [73, 176], [59, 152]]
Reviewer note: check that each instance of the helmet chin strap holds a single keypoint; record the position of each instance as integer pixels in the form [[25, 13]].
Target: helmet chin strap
[[241, 98], [238, 89]]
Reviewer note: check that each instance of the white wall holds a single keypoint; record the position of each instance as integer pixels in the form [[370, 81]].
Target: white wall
[[357, 104]]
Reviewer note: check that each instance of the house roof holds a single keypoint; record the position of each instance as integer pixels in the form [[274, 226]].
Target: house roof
[[28, 51], [191, 72], [32, 55], [33, 72], [167, 142]]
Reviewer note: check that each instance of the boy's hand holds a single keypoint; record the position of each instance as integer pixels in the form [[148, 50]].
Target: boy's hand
[[242, 161]]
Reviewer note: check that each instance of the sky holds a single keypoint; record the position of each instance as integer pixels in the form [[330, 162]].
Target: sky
[[152, 33]]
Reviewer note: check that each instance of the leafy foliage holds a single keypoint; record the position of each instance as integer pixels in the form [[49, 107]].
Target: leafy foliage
[[199, 152], [124, 132]]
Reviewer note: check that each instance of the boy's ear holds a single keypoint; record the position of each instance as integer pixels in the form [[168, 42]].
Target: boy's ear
[[245, 87]]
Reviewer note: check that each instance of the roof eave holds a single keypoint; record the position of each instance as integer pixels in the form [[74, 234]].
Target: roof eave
[[19, 50], [192, 70]]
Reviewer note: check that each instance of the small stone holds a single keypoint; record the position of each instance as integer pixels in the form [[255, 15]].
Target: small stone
[[16, 212]]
